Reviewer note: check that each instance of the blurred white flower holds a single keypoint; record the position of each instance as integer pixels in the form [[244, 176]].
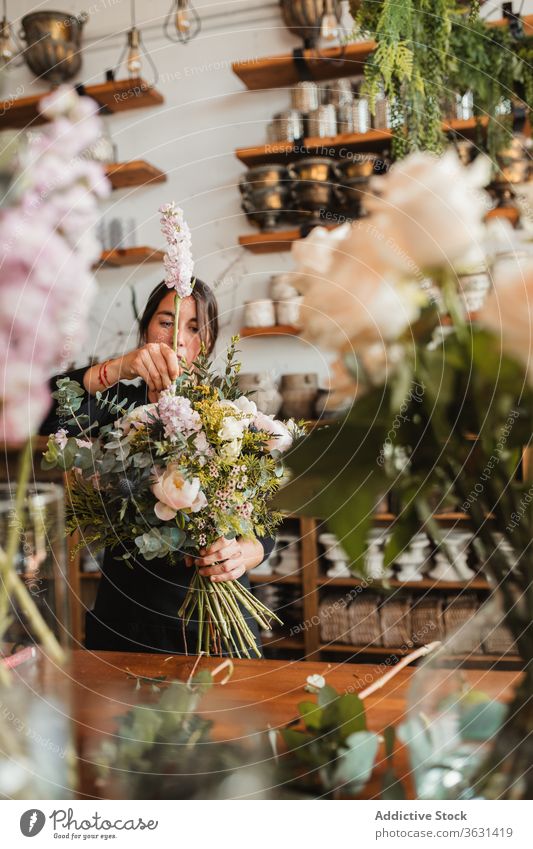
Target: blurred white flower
[[432, 208], [362, 295], [508, 311]]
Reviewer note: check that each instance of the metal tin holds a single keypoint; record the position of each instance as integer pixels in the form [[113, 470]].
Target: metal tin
[[354, 117], [339, 92], [288, 125], [322, 122], [381, 119], [305, 96]]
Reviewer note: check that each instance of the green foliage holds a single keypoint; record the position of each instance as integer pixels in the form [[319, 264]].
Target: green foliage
[[334, 750], [164, 749], [429, 49]]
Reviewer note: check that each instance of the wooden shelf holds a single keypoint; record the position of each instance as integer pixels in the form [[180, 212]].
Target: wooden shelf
[[282, 240], [276, 642], [326, 146], [331, 145], [90, 576], [129, 256], [275, 330], [127, 175], [278, 71], [295, 580], [118, 96], [272, 242], [424, 584]]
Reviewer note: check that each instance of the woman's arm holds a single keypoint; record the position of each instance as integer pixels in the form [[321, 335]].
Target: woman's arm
[[156, 363]]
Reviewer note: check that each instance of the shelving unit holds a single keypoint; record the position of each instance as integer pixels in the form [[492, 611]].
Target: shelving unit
[[118, 96], [128, 175], [304, 640], [274, 330], [278, 71]]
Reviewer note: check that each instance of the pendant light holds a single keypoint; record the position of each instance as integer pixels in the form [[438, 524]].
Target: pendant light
[[135, 51], [182, 22], [330, 26], [9, 47]]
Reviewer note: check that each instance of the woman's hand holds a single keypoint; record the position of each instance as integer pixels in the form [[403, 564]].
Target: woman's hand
[[156, 363], [227, 559]]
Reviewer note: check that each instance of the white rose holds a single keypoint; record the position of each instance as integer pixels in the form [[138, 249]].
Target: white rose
[[231, 428], [281, 439], [508, 311], [231, 450], [431, 208], [247, 408]]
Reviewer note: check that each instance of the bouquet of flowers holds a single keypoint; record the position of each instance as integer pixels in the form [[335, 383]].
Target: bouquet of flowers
[[174, 476]]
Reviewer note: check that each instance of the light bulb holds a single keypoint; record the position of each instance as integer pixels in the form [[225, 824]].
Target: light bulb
[[183, 18], [8, 48], [329, 28], [134, 62], [347, 21]]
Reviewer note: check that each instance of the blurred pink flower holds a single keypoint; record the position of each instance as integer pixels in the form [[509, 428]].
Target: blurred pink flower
[[47, 247]]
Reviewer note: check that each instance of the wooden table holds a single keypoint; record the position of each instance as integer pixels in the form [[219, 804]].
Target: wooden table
[[259, 693]]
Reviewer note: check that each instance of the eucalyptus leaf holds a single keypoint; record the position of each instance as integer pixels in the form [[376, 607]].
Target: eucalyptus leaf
[[354, 766]]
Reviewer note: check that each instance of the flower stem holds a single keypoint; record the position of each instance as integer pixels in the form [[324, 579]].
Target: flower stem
[[12, 584], [177, 305]]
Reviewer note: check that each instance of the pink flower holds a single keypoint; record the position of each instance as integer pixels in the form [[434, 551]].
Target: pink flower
[[61, 438], [177, 415], [178, 260], [281, 439], [47, 248], [174, 492]]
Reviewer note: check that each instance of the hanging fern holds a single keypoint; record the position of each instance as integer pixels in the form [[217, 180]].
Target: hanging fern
[[427, 49]]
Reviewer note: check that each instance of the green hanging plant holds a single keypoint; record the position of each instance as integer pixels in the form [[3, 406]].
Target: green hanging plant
[[430, 49]]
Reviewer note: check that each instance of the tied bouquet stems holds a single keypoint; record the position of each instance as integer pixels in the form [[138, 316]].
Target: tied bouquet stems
[[221, 624], [170, 478]]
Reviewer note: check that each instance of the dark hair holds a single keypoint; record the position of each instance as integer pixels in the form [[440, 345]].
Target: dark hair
[[206, 312]]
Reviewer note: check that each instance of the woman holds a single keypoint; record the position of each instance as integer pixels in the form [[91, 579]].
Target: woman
[[136, 607]]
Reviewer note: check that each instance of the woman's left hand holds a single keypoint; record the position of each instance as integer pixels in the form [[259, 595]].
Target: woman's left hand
[[227, 559]]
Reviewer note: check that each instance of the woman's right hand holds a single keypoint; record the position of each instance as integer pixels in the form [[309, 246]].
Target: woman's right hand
[[156, 363]]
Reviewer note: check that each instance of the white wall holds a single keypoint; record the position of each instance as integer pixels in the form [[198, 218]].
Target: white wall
[[192, 137], [206, 115]]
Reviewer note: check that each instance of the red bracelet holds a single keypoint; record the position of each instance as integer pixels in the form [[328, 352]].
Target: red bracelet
[[102, 375]]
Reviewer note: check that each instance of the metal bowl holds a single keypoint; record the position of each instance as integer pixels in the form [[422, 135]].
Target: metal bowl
[[262, 177], [366, 165], [311, 197], [54, 44], [266, 207], [304, 17], [312, 168]]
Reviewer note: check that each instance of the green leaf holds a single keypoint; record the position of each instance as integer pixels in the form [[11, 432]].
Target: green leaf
[[391, 787], [296, 739], [312, 715], [355, 765], [482, 720], [326, 695], [351, 715]]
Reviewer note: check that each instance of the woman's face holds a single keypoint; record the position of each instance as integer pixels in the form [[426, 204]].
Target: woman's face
[[161, 327]]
